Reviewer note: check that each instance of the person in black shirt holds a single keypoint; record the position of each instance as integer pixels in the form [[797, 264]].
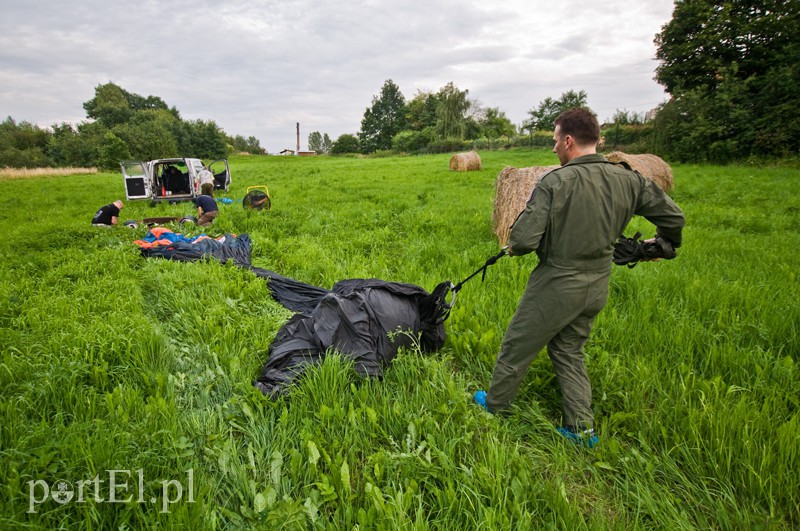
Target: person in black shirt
[[108, 214], [207, 209]]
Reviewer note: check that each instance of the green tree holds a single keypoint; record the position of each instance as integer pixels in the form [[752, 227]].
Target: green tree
[[733, 74], [208, 140], [110, 106], [451, 112], [624, 117], [543, 116], [23, 145], [495, 124], [315, 142], [246, 145], [421, 111], [384, 119], [113, 150], [346, 143]]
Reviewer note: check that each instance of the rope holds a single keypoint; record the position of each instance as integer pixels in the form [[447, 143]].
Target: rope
[[438, 297], [481, 269]]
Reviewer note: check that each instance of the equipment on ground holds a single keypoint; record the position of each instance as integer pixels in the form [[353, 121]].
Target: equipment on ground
[[257, 198], [152, 222]]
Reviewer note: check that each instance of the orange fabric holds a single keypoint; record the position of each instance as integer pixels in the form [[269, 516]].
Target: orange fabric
[[158, 231]]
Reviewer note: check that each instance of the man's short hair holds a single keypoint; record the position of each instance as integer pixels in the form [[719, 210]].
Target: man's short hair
[[581, 124]]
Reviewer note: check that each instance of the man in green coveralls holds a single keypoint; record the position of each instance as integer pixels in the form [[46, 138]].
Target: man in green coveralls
[[572, 220]]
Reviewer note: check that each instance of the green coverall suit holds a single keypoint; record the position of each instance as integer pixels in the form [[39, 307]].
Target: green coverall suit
[[574, 217]]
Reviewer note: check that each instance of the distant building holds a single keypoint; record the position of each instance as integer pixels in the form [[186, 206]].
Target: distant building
[[306, 153], [287, 152]]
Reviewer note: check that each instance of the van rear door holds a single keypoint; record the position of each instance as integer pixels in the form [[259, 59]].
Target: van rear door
[[222, 174], [137, 180]]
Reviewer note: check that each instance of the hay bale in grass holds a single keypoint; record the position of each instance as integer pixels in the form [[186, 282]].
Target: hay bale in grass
[[466, 161], [513, 188], [648, 165]]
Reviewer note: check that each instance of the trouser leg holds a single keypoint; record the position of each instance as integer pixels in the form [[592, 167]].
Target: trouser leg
[[566, 353], [207, 218], [548, 303]]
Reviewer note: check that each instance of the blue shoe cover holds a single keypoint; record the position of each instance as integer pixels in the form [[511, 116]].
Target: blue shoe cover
[[587, 438], [480, 398]]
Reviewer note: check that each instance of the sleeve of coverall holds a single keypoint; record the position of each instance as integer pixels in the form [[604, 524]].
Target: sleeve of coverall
[[659, 209], [528, 229]]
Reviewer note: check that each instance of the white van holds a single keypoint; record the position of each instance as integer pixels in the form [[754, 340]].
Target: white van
[[174, 179]]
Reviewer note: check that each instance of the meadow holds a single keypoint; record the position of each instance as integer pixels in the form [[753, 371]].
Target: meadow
[[116, 369]]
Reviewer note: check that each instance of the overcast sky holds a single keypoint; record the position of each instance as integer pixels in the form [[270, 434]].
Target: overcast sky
[[258, 67]]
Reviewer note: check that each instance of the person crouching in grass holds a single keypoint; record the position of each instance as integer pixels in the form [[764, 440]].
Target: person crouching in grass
[[207, 208], [107, 215]]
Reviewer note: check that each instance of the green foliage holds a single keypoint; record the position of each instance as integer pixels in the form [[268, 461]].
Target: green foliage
[[383, 120], [319, 143], [630, 138], [109, 106], [22, 145], [732, 72], [413, 141], [451, 112], [246, 145], [346, 143], [421, 111], [109, 361], [543, 116], [112, 151], [315, 142], [624, 117], [495, 124]]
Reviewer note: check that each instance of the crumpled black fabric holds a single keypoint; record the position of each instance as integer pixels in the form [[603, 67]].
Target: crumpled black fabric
[[365, 320]]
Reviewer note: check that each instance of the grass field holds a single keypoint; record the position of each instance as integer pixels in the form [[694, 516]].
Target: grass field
[[113, 362]]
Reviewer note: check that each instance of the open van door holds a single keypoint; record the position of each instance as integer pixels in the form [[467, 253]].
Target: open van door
[[137, 180], [222, 174]]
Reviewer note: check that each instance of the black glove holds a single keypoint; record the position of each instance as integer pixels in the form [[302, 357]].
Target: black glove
[[630, 251]]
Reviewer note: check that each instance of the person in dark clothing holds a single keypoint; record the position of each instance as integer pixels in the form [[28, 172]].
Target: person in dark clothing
[[207, 209], [572, 220], [108, 215]]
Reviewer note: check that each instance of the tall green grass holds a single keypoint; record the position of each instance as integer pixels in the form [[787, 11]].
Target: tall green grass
[[112, 361]]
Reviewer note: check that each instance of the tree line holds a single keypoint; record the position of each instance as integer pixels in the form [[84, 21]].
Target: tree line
[[120, 125]]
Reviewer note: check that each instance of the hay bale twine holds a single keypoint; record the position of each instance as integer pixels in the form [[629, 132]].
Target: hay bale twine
[[513, 189], [468, 161], [648, 165]]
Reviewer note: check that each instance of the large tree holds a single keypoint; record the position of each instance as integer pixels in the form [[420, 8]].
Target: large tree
[[732, 71], [383, 119], [451, 112], [543, 116], [495, 124]]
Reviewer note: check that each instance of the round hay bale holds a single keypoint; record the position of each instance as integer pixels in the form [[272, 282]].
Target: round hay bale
[[648, 165], [468, 161], [513, 189]]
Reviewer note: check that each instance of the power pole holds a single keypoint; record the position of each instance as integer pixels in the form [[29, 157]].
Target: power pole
[[297, 153]]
